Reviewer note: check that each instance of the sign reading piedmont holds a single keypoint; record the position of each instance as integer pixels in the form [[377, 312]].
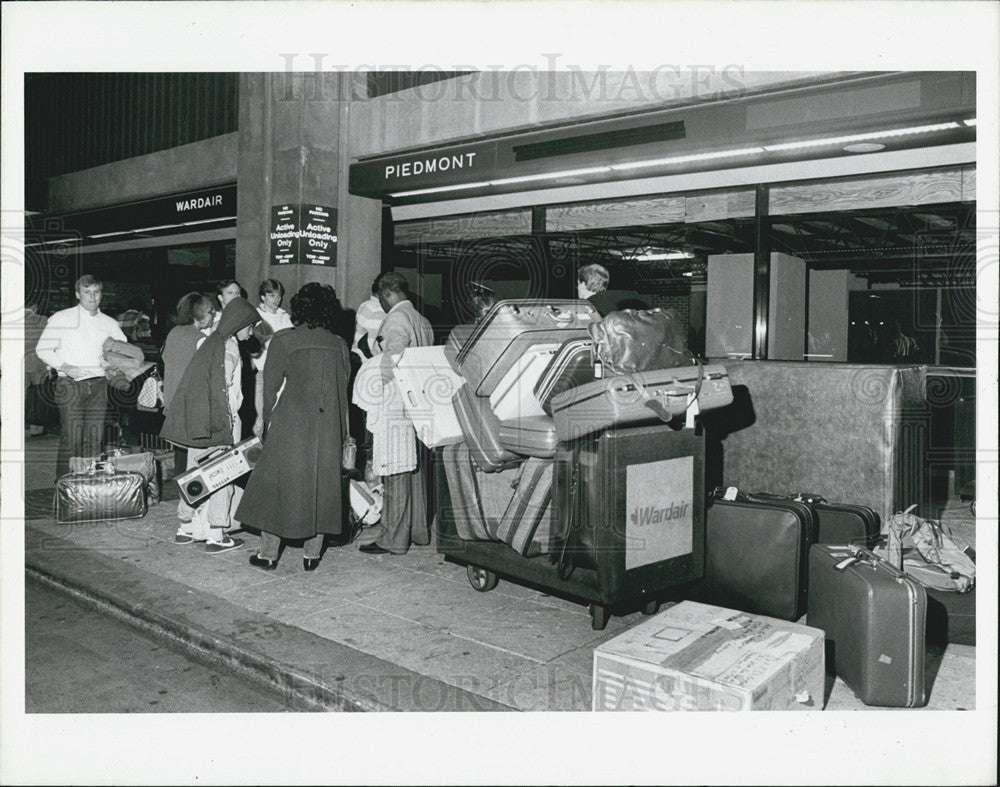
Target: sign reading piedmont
[[432, 168], [303, 235]]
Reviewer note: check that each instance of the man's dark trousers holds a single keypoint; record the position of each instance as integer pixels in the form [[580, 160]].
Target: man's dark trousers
[[83, 413]]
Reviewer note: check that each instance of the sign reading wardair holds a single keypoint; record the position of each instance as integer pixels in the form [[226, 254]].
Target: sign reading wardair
[[303, 235]]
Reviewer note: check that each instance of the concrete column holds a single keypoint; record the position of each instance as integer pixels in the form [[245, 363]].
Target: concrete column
[[292, 150]]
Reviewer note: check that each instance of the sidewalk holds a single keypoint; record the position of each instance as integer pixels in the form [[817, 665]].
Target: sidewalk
[[362, 632]]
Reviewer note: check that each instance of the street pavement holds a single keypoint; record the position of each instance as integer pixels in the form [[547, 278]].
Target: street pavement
[[377, 633]]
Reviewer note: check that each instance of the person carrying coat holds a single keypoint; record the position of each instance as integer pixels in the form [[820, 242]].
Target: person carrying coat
[[294, 491], [404, 510], [203, 415]]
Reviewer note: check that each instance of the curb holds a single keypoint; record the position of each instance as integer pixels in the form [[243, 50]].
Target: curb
[[353, 681]]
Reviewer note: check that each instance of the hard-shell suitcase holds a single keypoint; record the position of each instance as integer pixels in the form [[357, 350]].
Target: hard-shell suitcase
[[465, 499], [638, 492], [874, 617], [101, 494], [525, 523], [514, 396], [535, 436], [757, 555], [571, 366], [837, 523], [481, 431], [508, 330], [640, 398]]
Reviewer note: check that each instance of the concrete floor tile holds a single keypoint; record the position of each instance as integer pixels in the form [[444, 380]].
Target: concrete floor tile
[[433, 601], [546, 687], [427, 651], [534, 631]]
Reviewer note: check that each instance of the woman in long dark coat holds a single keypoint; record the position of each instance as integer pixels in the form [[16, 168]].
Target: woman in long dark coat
[[294, 492]]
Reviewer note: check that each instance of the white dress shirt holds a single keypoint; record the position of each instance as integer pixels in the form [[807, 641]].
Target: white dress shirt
[[76, 337]]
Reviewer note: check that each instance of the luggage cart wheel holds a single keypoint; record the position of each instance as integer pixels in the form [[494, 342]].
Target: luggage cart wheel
[[651, 607], [598, 617], [481, 579]]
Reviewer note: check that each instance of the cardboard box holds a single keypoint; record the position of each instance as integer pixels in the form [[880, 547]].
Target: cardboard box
[[698, 657]]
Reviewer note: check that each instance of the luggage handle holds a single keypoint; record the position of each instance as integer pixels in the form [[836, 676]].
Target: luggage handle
[[564, 565], [212, 455]]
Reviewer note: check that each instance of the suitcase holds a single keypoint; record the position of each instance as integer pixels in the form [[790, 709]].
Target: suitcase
[[466, 512], [757, 556], [525, 523], [631, 502], [534, 436], [508, 330], [838, 523], [874, 617], [128, 460], [481, 431], [99, 495], [636, 399], [514, 396], [571, 366]]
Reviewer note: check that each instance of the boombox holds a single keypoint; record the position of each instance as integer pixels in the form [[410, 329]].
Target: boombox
[[217, 469]]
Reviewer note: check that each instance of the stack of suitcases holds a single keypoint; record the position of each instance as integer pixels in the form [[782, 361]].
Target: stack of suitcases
[[565, 478]]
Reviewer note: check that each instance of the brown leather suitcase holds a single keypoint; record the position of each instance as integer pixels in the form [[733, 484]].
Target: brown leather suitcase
[[875, 620]]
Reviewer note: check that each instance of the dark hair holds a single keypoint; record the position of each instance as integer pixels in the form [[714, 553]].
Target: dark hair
[[270, 285], [392, 281], [87, 280], [193, 307], [375, 284], [226, 283], [316, 305]]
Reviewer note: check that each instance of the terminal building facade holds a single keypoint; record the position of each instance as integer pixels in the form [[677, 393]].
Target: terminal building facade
[[814, 218]]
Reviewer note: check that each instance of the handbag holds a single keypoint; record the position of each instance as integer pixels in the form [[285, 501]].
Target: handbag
[[925, 550], [631, 340], [350, 453], [150, 397]]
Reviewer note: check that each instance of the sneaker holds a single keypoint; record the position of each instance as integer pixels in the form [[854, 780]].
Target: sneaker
[[183, 538], [228, 545]]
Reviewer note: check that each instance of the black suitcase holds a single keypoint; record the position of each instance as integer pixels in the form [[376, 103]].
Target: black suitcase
[[875, 618], [757, 556], [100, 495], [838, 523], [621, 499]]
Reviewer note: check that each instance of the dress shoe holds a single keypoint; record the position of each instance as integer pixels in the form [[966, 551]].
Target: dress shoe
[[310, 563], [373, 549], [263, 562]]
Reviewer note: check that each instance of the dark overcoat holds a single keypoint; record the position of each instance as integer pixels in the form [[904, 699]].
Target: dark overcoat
[[295, 489]]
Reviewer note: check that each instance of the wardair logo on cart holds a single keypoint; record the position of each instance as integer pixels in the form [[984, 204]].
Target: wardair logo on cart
[[651, 515]]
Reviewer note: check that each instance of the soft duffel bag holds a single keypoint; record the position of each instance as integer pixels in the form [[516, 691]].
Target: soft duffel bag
[[100, 494]]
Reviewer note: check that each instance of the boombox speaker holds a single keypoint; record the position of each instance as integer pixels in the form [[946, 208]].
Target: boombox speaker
[[217, 469]]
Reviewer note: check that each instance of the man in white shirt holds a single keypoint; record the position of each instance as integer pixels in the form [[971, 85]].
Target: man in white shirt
[[72, 344]]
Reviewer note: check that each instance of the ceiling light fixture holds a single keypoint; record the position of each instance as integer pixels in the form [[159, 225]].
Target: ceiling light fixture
[[688, 158], [864, 147], [898, 132]]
